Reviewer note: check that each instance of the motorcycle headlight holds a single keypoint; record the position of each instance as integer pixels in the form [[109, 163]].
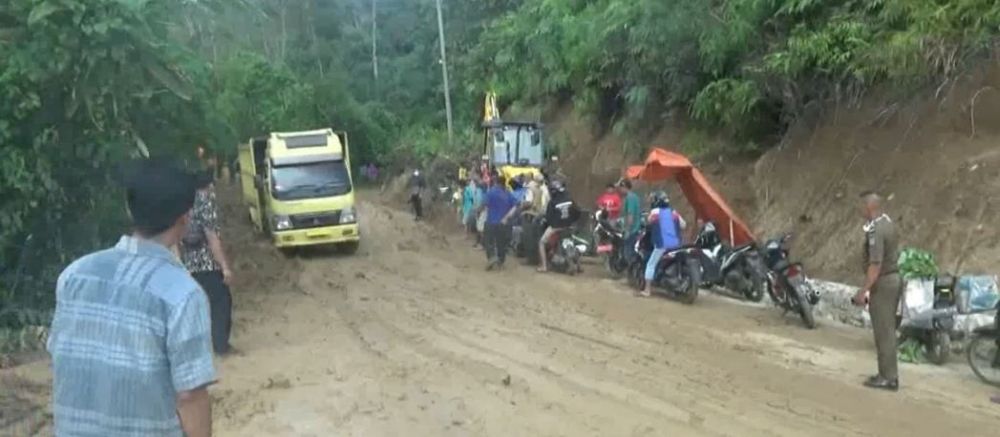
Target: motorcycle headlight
[[347, 215], [281, 222]]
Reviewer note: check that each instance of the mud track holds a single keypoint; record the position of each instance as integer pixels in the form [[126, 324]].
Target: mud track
[[412, 337]]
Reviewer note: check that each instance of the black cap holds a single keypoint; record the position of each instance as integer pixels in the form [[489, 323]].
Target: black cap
[[158, 192]]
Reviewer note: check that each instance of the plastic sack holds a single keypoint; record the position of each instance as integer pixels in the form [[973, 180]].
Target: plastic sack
[[481, 222], [917, 304], [977, 294]]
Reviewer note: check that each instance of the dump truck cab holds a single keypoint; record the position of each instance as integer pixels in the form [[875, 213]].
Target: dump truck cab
[[298, 188]]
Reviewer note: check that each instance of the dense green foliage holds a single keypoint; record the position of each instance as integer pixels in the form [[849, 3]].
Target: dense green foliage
[[916, 263], [86, 84], [83, 85], [747, 66]]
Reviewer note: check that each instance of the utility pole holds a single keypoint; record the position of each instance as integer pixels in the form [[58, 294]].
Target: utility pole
[[374, 46], [444, 73]]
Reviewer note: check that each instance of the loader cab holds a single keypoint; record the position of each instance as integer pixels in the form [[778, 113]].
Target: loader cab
[[514, 143]]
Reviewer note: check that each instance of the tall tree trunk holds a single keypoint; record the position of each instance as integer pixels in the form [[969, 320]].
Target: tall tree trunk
[[284, 31], [315, 39], [374, 44]]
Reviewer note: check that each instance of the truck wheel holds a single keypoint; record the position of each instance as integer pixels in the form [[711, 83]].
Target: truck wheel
[[529, 242], [349, 248]]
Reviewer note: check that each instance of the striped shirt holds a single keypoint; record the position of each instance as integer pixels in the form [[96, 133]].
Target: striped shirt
[[131, 329]]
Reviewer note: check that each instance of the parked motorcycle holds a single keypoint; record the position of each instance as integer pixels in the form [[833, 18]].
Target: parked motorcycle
[[609, 241], [787, 283], [678, 273], [933, 328], [739, 269], [564, 251], [528, 229]]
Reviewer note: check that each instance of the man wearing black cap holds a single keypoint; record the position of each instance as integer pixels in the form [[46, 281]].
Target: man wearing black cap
[[130, 340]]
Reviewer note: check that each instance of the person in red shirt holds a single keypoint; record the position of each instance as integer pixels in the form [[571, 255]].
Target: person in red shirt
[[611, 201], [485, 170]]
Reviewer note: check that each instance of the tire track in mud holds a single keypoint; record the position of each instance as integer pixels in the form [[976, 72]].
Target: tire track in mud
[[462, 348], [410, 337]]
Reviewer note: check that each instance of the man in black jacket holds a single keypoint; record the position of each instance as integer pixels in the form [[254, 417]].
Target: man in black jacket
[[416, 185], [561, 213]]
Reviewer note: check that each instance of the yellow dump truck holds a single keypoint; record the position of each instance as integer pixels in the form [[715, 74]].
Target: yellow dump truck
[[298, 189]]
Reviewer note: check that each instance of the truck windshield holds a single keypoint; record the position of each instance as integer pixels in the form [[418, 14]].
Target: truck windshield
[[306, 181]]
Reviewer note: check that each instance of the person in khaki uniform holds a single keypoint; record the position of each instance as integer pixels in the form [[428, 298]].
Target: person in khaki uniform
[[882, 288]]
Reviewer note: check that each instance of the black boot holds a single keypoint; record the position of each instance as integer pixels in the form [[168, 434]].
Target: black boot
[[881, 383]]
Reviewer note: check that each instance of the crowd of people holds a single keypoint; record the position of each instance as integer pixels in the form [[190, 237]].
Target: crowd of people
[[490, 206], [494, 210]]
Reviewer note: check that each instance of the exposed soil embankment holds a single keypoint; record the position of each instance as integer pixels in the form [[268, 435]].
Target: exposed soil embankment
[[934, 156]]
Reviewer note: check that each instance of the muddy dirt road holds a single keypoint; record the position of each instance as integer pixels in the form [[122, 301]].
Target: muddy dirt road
[[411, 337]]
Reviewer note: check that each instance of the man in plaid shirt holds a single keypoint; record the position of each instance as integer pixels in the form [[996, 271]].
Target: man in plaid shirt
[[130, 340]]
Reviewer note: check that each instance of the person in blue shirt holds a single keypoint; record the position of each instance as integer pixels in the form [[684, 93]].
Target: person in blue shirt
[[500, 206], [666, 225]]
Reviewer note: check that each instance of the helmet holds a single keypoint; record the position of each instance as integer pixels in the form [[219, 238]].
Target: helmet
[[416, 172], [557, 186], [659, 199]]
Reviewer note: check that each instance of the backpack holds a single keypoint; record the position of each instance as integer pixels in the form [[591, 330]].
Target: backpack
[[195, 237]]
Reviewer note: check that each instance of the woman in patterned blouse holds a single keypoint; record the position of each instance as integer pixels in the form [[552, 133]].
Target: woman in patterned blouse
[[202, 253]]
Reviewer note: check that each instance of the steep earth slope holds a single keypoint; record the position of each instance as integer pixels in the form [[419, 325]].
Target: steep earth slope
[[936, 156]]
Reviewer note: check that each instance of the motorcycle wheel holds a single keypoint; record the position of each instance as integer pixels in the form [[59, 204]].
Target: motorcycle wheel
[[756, 291], [611, 265], [982, 354], [938, 347], [693, 271], [635, 273], [769, 286], [805, 309]]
